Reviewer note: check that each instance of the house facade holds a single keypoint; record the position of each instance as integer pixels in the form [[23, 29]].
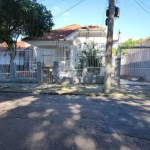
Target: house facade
[[36, 60], [63, 44]]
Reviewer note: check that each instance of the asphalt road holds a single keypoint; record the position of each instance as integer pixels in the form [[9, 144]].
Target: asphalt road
[[52, 122]]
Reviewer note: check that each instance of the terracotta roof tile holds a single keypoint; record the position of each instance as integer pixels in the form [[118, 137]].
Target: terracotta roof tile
[[60, 33], [145, 40], [70, 27], [63, 32], [92, 27]]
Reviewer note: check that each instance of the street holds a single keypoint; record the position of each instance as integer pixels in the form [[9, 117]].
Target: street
[[53, 122]]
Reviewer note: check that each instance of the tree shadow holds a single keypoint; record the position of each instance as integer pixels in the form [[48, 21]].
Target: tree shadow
[[46, 122]]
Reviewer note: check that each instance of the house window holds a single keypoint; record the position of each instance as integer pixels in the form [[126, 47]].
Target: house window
[[67, 54]]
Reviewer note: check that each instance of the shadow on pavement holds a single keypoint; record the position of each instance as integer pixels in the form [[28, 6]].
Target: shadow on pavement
[[53, 122]]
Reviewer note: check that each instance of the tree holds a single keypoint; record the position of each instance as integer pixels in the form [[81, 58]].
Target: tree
[[129, 42], [23, 17], [114, 51]]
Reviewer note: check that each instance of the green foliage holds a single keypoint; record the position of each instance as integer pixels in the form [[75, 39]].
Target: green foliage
[[23, 17], [114, 51], [91, 53], [129, 42]]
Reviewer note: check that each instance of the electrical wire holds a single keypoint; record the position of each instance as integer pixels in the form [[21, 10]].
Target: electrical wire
[[55, 3], [141, 6], [144, 4], [40, 1], [69, 8]]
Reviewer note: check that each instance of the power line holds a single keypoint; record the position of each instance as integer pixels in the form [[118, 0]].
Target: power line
[[55, 3], [141, 6], [69, 8], [40, 1], [144, 4]]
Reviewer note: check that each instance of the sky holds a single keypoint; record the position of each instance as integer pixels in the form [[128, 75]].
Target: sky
[[134, 20]]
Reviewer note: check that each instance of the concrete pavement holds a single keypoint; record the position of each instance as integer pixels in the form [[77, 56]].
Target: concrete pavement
[[127, 89], [53, 122]]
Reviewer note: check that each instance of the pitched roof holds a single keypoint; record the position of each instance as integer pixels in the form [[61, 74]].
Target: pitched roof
[[63, 32], [145, 40], [20, 45], [92, 27]]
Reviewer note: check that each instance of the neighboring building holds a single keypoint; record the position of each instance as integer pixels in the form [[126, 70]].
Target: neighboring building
[[137, 61], [5, 54], [20, 46], [21, 58]]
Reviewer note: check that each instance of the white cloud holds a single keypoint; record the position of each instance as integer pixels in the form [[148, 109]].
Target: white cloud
[[136, 38], [123, 39], [56, 8], [66, 13], [115, 36]]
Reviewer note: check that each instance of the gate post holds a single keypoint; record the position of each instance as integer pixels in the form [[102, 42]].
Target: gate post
[[56, 71], [39, 71], [117, 70], [118, 66], [85, 66]]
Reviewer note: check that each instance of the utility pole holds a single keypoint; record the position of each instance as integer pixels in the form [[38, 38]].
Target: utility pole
[[108, 60]]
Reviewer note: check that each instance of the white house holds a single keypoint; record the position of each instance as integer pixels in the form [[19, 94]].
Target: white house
[[63, 43]]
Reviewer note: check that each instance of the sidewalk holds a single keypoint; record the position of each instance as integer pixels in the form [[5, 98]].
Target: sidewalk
[[127, 82], [125, 90]]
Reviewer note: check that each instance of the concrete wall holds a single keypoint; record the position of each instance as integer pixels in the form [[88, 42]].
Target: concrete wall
[[13, 78], [85, 78]]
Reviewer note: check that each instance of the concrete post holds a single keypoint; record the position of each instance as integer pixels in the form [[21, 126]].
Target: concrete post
[[39, 71], [56, 71], [117, 70], [85, 66]]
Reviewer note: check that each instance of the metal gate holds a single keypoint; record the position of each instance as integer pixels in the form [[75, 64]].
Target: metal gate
[[47, 68]]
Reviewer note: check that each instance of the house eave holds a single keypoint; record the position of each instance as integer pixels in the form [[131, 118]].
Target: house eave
[[85, 30]]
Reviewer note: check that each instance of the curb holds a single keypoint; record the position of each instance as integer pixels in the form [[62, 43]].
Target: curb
[[54, 93], [112, 95]]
